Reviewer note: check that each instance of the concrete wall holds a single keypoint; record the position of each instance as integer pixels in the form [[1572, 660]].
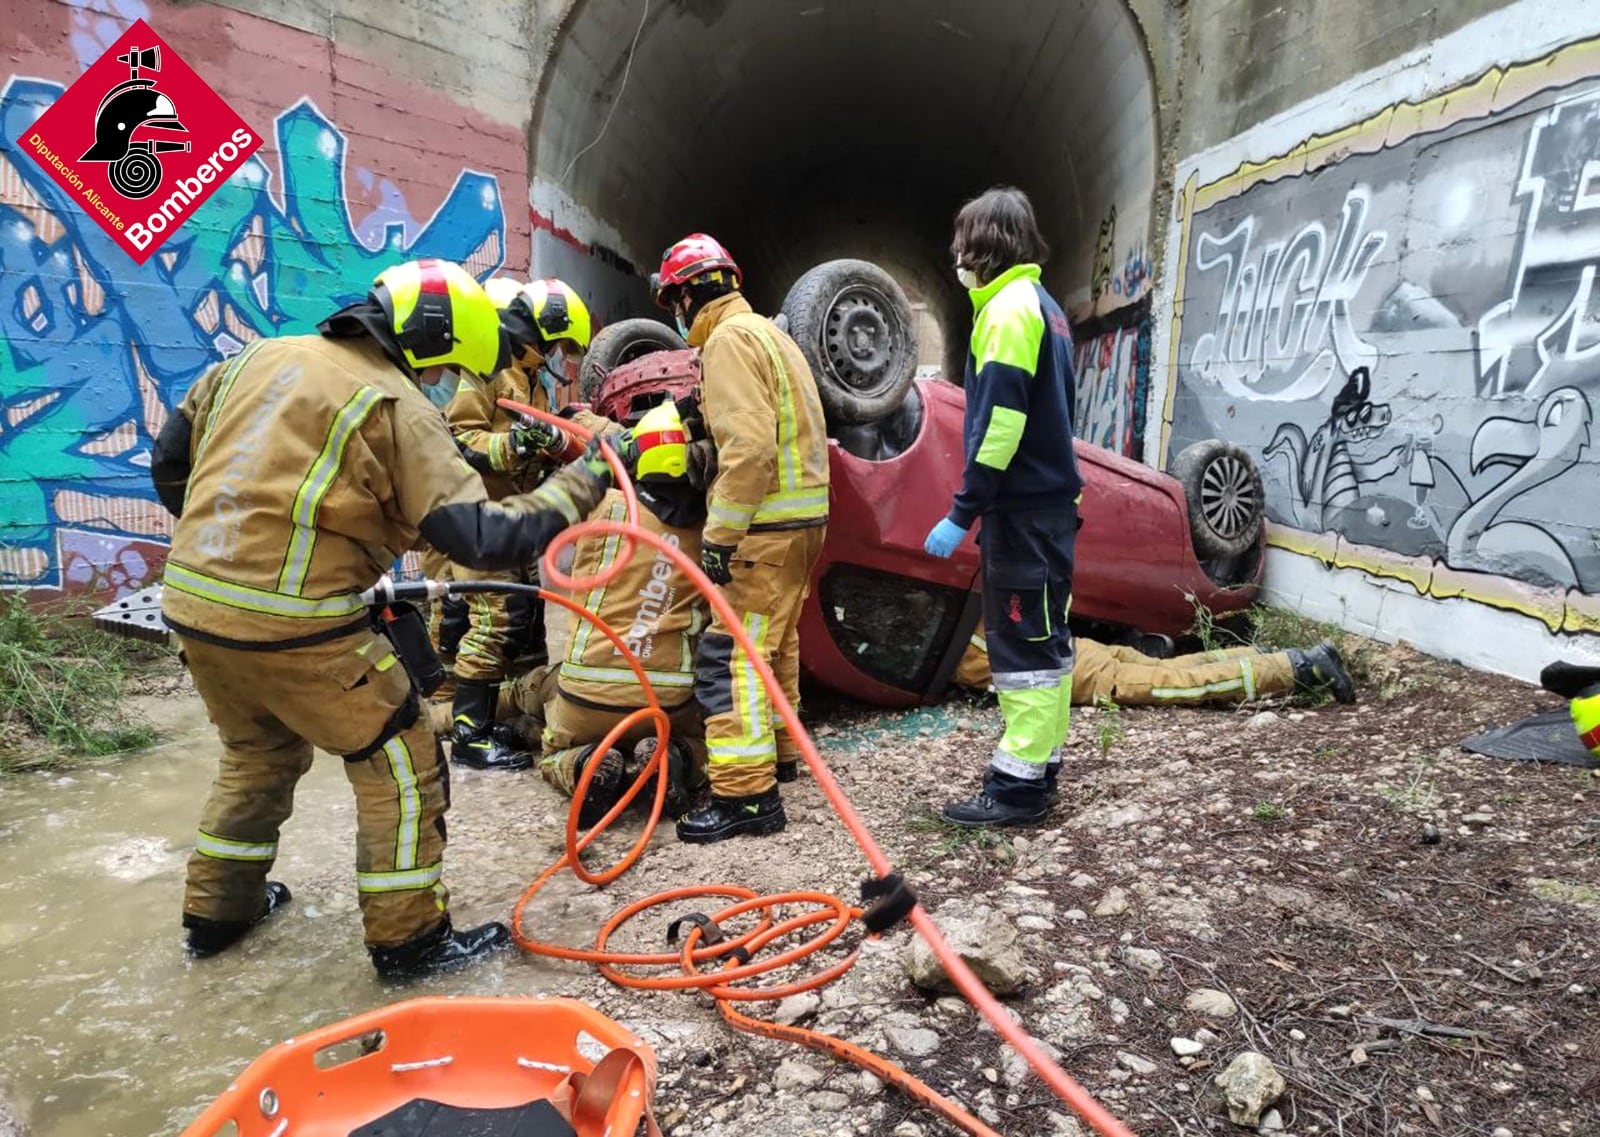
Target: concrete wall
[[393, 130], [1385, 293]]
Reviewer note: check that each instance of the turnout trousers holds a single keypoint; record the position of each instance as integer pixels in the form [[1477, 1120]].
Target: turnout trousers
[[1026, 560], [349, 697], [744, 740]]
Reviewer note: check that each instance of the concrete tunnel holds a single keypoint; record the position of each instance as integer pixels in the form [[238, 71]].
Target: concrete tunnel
[[802, 130]]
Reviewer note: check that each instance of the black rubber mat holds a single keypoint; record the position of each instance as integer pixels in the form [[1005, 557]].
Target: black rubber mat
[[423, 1118], [1546, 737]]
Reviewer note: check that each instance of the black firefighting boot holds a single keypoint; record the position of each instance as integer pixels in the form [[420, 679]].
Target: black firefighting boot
[[1321, 669], [208, 937], [683, 780], [1003, 802], [473, 739], [440, 949], [759, 815], [605, 788]]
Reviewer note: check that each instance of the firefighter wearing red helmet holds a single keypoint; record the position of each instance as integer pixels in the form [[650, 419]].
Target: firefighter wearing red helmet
[[767, 512]]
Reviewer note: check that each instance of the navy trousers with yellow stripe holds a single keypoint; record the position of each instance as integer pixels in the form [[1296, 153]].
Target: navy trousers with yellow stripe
[[270, 708], [1027, 593]]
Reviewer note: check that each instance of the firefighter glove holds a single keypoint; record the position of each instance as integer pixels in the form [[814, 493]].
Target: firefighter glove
[[717, 561], [529, 439]]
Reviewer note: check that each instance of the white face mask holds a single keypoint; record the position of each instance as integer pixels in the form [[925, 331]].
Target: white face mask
[[968, 279]]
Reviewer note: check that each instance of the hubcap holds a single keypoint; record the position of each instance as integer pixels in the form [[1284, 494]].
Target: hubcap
[[1228, 496]]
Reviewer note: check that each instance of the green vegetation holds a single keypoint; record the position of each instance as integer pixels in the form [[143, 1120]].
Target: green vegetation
[[1418, 796], [61, 689], [1268, 811], [948, 839], [1108, 729]]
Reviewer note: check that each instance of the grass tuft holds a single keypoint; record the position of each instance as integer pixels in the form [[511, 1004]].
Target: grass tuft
[[61, 683]]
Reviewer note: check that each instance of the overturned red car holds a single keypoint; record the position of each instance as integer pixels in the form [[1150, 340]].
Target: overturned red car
[[886, 622]]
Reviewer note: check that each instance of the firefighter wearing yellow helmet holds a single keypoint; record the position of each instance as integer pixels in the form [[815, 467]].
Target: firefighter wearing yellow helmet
[[548, 328], [658, 613], [299, 470]]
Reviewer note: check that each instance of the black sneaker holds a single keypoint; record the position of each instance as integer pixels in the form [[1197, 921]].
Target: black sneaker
[[208, 937], [439, 950], [1321, 668], [983, 812], [759, 816]]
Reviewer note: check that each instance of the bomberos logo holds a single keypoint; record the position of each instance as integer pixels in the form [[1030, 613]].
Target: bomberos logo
[[141, 140]]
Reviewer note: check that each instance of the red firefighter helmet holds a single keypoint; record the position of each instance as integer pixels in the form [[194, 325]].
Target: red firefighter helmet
[[694, 256]]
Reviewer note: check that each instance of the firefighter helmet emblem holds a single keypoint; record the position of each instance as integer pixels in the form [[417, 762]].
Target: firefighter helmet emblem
[[128, 108]]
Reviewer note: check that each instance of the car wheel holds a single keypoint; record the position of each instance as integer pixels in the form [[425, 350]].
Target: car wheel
[[623, 342], [854, 326], [1226, 499]]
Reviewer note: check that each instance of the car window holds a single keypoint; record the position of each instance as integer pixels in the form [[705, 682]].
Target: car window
[[893, 628]]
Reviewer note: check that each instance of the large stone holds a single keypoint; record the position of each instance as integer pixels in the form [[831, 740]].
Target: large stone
[[1113, 903], [797, 1007], [793, 1074], [917, 1041], [1249, 1085], [986, 942], [1135, 1064], [1211, 1004], [1146, 961]]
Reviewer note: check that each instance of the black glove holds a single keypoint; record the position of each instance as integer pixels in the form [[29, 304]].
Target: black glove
[[694, 421], [717, 561], [536, 437]]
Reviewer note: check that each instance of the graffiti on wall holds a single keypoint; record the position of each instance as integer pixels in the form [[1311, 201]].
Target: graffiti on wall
[[97, 348], [1406, 334], [1115, 279], [1111, 369]]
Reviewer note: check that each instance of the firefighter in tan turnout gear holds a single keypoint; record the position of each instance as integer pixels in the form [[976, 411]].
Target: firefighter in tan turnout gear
[[299, 471], [1130, 678], [547, 324], [766, 516], [660, 616]]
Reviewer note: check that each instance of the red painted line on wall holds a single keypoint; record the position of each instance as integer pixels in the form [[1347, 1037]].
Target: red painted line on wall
[[565, 236]]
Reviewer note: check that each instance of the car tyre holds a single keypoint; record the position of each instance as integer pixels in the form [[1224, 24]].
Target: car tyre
[[1227, 501], [623, 342], [854, 326]]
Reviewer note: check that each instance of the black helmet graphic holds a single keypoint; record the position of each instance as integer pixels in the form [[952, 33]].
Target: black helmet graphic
[[129, 106]]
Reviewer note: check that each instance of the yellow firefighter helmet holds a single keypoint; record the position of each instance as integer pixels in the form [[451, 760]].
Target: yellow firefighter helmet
[[441, 316], [1586, 719], [662, 442]]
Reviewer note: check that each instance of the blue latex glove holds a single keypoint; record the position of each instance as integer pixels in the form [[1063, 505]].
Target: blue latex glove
[[943, 538]]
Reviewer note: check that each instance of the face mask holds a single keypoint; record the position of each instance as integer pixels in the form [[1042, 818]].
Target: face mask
[[968, 279], [683, 328], [440, 393]]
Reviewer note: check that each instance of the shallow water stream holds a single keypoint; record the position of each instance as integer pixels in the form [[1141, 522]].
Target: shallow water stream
[[108, 1030]]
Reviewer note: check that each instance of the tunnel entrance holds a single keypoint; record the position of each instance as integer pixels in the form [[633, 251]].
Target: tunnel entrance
[[801, 130]]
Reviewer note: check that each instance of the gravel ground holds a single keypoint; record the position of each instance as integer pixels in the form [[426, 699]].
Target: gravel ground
[[1272, 858]]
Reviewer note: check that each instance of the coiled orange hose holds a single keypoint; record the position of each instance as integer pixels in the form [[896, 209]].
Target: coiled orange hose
[[735, 954]]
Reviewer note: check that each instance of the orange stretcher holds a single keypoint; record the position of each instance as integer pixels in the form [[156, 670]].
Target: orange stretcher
[[443, 1067]]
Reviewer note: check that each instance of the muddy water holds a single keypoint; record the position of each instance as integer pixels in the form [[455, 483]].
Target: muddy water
[[107, 1029]]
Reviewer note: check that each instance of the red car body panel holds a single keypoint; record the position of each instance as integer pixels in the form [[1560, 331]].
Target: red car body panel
[[1135, 562]]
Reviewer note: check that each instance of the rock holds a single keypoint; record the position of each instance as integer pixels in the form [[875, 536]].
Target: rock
[[1424, 1094], [1135, 1064], [1204, 1037], [828, 1101], [1075, 915], [1146, 961], [1261, 719], [1015, 1068], [1035, 924], [1297, 1035], [917, 1041], [1113, 903], [1082, 880], [869, 1085], [1186, 1047], [1211, 1004], [797, 1007], [984, 940], [1249, 1085], [1272, 1119], [908, 1129], [1501, 1131], [1478, 820], [793, 1074]]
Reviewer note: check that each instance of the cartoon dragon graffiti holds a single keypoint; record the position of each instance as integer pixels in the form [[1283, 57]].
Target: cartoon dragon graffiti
[[1324, 475]]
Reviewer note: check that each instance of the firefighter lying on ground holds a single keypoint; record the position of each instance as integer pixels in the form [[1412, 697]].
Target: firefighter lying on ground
[[548, 326], [767, 513], [299, 470], [1129, 678]]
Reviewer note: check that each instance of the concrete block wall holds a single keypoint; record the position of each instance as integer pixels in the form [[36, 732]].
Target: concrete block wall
[[1381, 283], [392, 131]]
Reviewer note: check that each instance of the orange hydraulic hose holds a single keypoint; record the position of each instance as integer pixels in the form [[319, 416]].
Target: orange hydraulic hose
[[768, 929]]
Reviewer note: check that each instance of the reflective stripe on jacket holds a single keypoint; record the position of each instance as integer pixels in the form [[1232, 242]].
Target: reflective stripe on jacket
[[761, 407], [650, 604]]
